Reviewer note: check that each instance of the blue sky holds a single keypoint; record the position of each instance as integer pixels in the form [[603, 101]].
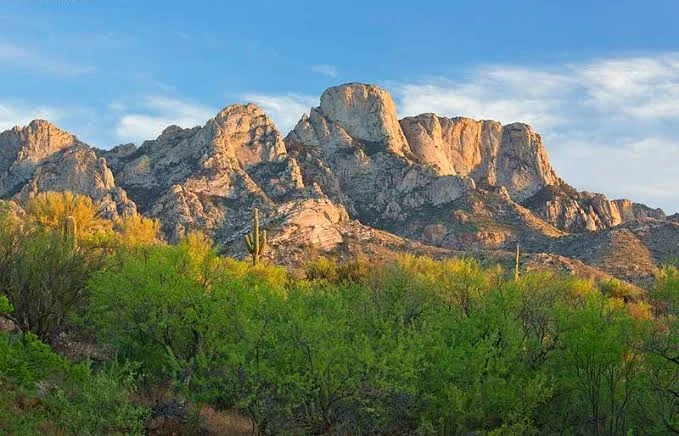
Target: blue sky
[[599, 79]]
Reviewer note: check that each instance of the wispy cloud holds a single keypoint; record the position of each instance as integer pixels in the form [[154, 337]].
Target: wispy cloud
[[28, 59], [285, 109], [19, 114], [326, 70], [138, 121], [609, 124], [148, 119]]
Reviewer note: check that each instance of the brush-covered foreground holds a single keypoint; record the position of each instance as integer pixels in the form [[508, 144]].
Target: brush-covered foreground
[[177, 338]]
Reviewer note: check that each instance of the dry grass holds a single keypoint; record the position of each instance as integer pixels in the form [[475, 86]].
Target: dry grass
[[196, 419], [226, 423]]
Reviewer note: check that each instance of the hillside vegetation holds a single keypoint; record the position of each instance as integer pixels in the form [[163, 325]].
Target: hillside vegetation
[[109, 330]]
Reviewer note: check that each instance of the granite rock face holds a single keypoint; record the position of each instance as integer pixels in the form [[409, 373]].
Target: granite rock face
[[365, 113], [511, 156], [22, 149], [402, 175], [353, 148], [40, 157], [575, 212], [349, 174], [209, 178]]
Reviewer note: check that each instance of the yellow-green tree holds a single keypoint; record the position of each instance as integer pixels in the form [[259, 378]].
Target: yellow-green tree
[[135, 230], [49, 210]]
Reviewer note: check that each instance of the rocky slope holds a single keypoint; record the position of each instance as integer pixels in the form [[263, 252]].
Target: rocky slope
[[41, 157], [209, 178], [407, 176], [574, 211], [350, 174]]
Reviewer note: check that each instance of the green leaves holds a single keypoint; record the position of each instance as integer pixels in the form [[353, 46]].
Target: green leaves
[[416, 345], [5, 305], [45, 393], [44, 280]]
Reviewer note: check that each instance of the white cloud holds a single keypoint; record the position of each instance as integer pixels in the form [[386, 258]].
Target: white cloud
[[644, 170], [19, 114], [326, 70], [156, 113], [22, 57], [136, 123], [284, 109], [610, 125]]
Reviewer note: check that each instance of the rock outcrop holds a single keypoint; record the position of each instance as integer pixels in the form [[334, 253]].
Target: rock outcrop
[[353, 148], [22, 149], [573, 211], [41, 157], [208, 178], [407, 177], [511, 156], [349, 176]]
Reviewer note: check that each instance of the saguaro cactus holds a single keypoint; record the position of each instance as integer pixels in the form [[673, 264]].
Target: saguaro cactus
[[70, 231], [516, 264], [255, 242]]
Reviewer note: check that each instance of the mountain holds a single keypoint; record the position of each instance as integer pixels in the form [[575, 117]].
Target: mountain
[[41, 157], [350, 177]]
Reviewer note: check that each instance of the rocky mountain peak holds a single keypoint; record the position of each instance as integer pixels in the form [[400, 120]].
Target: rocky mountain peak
[[239, 108], [33, 142], [511, 156], [171, 131], [41, 157], [247, 133], [366, 113]]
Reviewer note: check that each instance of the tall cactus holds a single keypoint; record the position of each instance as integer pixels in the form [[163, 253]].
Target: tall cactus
[[70, 232], [516, 264], [256, 244]]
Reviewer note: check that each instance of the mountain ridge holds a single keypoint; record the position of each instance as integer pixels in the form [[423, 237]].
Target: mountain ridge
[[447, 183]]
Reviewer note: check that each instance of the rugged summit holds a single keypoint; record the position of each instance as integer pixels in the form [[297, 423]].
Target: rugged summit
[[353, 148], [412, 176], [511, 156], [208, 178], [349, 176], [23, 148], [41, 157], [573, 211]]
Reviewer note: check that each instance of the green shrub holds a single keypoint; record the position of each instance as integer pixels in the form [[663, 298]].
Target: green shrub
[[44, 393]]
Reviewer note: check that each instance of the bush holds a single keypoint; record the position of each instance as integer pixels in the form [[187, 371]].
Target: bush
[[44, 393], [44, 280], [48, 210]]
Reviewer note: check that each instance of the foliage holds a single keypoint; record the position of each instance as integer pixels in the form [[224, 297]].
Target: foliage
[[5, 306], [662, 343], [167, 306], [44, 393], [412, 346], [135, 230], [43, 279], [48, 210], [97, 403]]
